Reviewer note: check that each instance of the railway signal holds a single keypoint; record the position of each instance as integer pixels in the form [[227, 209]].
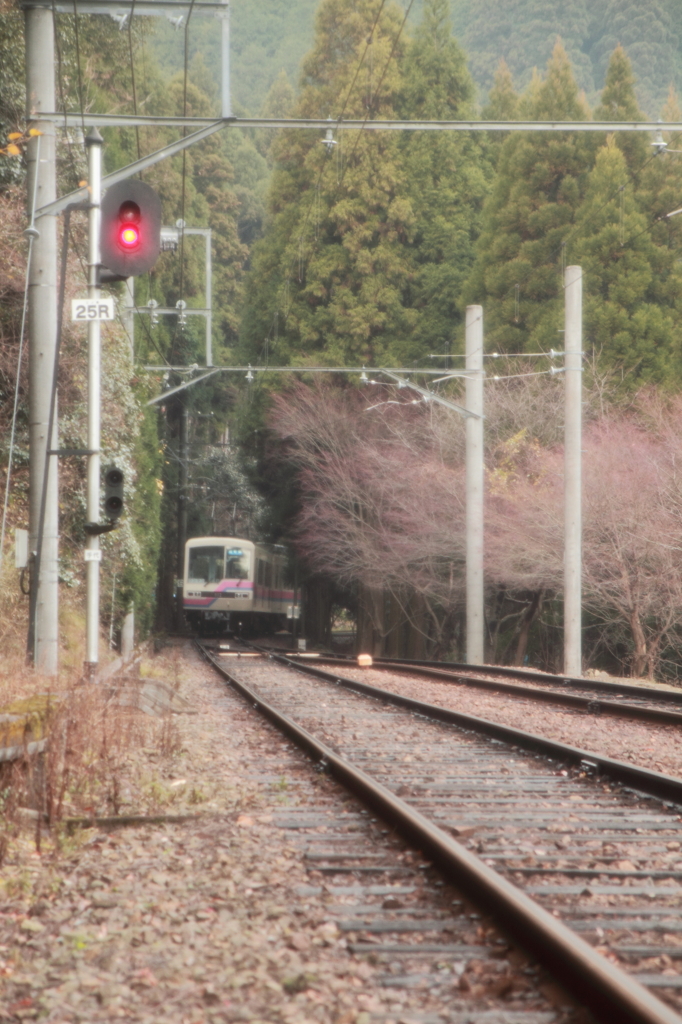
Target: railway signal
[[113, 493], [130, 234]]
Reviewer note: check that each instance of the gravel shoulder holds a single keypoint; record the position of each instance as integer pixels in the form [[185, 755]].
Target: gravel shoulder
[[212, 918]]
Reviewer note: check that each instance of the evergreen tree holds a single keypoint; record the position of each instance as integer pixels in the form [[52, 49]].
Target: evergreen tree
[[12, 91], [660, 182], [619, 103], [447, 176], [646, 30], [538, 190], [523, 33], [503, 101], [632, 286], [331, 273]]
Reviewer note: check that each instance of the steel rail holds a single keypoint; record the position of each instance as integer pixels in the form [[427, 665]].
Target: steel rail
[[642, 780], [609, 992], [571, 700], [598, 685]]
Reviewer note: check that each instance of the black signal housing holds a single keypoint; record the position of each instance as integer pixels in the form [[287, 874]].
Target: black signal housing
[[113, 492], [130, 235]]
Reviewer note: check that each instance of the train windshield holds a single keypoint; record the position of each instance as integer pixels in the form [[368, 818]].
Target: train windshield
[[206, 564], [236, 564]]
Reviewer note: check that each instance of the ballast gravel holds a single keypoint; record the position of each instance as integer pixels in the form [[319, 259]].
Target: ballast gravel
[[648, 744], [202, 920]]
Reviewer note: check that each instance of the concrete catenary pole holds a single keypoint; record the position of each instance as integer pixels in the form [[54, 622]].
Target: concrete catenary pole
[[42, 333], [93, 554], [128, 313], [475, 475], [573, 346]]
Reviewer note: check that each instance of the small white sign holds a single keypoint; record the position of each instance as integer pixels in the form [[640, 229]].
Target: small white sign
[[93, 555], [87, 310]]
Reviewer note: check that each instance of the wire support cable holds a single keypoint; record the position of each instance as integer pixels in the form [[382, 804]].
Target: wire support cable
[[31, 233]]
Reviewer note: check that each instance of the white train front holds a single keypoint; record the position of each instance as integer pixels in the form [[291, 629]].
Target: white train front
[[233, 584]]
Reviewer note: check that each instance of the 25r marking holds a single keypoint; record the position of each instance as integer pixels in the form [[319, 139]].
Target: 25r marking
[[85, 311]]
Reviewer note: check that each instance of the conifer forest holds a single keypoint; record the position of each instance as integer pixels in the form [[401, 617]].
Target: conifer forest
[[358, 248]]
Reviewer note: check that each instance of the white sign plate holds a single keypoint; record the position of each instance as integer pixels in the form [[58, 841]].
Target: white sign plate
[[93, 555], [85, 310]]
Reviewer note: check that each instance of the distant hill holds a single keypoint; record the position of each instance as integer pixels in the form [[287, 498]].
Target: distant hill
[[266, 37], [523, 32], [271, 35]]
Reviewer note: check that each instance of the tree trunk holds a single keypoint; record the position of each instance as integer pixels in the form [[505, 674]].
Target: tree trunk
[[639, 658], [529, 617]]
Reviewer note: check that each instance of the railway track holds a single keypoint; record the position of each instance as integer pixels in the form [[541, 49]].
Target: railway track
[[555, 847], [622, 700]]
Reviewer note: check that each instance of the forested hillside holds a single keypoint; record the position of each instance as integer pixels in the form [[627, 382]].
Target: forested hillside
[[269, 36], [364, 248]]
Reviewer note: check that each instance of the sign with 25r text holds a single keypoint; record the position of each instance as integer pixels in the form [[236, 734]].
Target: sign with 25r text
[[86, 310]]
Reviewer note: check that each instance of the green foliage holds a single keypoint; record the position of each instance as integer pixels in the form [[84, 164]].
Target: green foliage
[[538, 190], [267, 37], [619, 103], [12, 91], [332, 271], [447, 177], [632, 285], [523, 32], [503, 101], [646, 30], [369, 244]]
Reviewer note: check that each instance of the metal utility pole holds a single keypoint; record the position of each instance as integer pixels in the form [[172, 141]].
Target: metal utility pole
[[573, 348], [475, 477], [43, 646], [127, 313], [93, 553]]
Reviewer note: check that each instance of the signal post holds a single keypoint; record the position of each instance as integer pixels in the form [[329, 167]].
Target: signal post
[[93, 553], [124, 233]]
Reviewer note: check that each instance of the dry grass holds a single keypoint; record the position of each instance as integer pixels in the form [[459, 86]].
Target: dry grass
[[90, 765]]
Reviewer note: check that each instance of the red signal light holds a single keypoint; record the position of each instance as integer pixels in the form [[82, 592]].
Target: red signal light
[[129, 231], [129, 235]]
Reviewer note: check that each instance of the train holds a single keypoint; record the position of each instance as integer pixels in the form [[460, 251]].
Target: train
[[237, 586]]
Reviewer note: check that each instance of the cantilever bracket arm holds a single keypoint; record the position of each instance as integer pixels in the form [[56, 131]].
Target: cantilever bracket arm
[[431, 396], [59, 205]]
